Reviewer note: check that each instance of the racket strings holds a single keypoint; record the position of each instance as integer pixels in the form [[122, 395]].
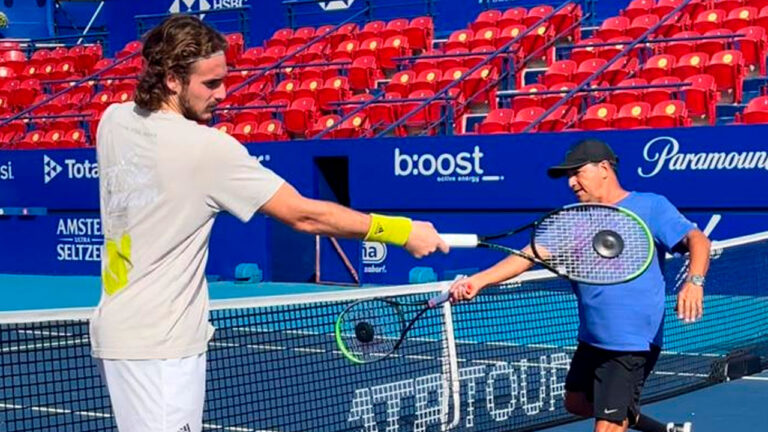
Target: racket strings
[[565, 240], [371, 329]]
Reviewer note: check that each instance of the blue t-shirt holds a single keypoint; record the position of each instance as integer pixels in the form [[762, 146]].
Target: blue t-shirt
[[630, 316]]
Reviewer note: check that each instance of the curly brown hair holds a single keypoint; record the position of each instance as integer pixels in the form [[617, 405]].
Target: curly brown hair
[[172, 48]]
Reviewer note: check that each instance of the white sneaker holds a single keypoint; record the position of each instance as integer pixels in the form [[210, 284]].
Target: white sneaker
[[680, 427]]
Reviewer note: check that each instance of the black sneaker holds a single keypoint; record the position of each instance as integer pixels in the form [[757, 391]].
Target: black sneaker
[[680, 427]]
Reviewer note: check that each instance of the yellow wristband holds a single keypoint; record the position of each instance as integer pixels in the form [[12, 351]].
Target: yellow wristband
[[389, 229]]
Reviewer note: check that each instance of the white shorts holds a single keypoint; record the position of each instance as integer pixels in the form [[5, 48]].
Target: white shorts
[[156, 395]]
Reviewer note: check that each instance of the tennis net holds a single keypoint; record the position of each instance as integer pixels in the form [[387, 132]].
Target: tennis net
[[495, 364]]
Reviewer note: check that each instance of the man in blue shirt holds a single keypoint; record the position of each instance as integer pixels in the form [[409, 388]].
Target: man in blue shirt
[[621, 326]]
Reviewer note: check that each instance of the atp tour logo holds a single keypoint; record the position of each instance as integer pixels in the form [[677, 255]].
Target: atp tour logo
[[75, 169], [50, 169], [335, 5]]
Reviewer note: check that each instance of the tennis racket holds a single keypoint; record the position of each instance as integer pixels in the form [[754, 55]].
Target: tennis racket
[[371, 330], [590, 243]]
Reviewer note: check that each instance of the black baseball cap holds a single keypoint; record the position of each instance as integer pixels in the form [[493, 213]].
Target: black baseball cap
[[582, 153]]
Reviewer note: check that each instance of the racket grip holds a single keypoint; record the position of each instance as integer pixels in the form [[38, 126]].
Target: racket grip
[[439, 299], [460, 240]]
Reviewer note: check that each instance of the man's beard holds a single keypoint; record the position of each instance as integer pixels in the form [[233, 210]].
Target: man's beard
[[188, 112]]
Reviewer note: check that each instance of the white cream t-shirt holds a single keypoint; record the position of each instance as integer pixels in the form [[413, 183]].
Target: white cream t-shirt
[[163, 179]]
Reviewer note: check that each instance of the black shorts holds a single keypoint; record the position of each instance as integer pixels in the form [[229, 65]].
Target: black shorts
[[611, 380]]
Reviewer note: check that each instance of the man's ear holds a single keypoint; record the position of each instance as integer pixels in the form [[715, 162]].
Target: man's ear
[[173, 83]]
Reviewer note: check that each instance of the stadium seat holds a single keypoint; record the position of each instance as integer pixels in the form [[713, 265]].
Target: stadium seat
[[394, 27], [625, 96], [701, 96], [664, 7], [525, 101], [369, 47], [32, 140], [559, 119], [235, 45], [740, 17], [587, 68], [322, 123], [669, 114], [497, 121], [14, 59], [509, 33], [480, 86], [728, 69], [426, 80], [485, 19], [226, 127], [579, 53], [270, 130], [420, 33], [620, 69], [346, 32], [458, 39], [335, 89], [611, 51], [484, 37], [673, 25], [713, 46], [690, 64], [551, 99], [536, 39], [300, 116], [727, 5], [272, 55], [284, 91], [709, 20], [524, 118], [401, 82], [753, 46], [301, 36], [680, 48], [762, 18], [371, 29], [559, 71], [447, 62], [655, 95], [6, 73], [756, 111], [658, 66], [613, 27], [250, 57], [395, 46], [309, 88], [129, 48], [382, 115], [632, 115], [637, 8], [354, 127], [512, 16], [640, 25], [314, 52], [599, 116], [73, 138], [363, 73], [567, 17], [346, 50], [536, 13], [279, 38], [425, 116]]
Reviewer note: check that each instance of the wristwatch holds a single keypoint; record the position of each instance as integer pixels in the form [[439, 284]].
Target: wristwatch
[[697, 280]]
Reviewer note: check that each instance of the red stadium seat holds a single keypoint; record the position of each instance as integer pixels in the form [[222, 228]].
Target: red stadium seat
[[638, 7], [525, 101], [632, 115], [243, 131], [598, 117], [728, 69], [525, 117], [485, 19], [536, 39], [32, 140], [654, 96], [129, 48], [284, 91], [363, 73], [713, 46], [568, 17], [235, 45], [420, 33], [270, 130], [301, 36], [622, 97], [448, 62], [309, 88], [756, 111], [426, 80], [727, 5], [559, 71], [73, 138], [395, 46], [640, 25], [479, 87], [371, 29], [458, 39], [709, 20], [300, 116], [424, 116], [579, 54], [674, 24], [611, 51], [27, 91], [762, 18], [382, 115], [395, 27], [669, 114], [613, 27], [740, 17], [369, 47], [316, 51], [507, 34], [322, 124], [559, 119], [272, 55], [423, 63], [14, 59], [664, 7], [536, 13], [658, 66], [356, 126], [753, 46], [226, 127], [587, 68], [679, 48], [690, 64], [551, 99], [484, 37], [497, 121], [250, 57], [345, 50], [335, 89], [701, 96], [345, 32], [401, 82], [512, 16], [279, 38], [620, 69]]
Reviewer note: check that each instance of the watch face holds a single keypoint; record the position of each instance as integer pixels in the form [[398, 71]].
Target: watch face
[[696, 280]]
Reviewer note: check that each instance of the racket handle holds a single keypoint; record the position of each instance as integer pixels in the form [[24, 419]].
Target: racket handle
[[460, 240], [439, 299]]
